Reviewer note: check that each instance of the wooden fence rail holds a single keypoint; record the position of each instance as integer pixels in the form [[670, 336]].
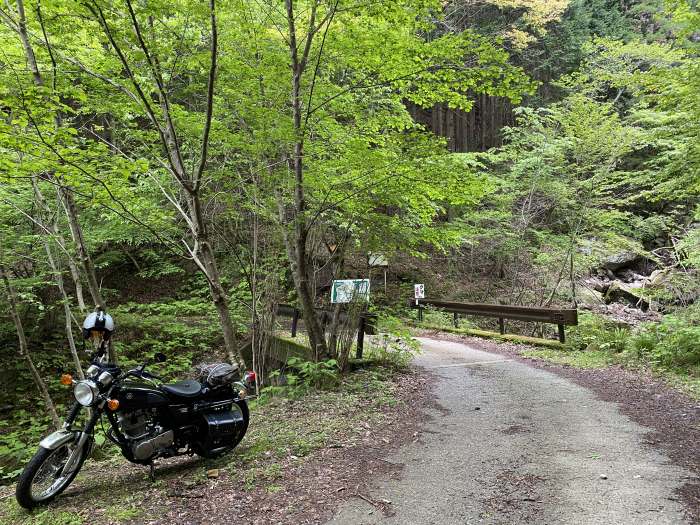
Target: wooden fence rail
[[558, 316]]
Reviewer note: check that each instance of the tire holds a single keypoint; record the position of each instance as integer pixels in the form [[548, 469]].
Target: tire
[[24, 494], [211, 454]]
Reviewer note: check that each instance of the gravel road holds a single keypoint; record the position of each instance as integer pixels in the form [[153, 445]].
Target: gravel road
[[514, 444]]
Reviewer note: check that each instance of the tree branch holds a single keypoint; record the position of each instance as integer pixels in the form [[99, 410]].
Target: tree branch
[[210, 98]]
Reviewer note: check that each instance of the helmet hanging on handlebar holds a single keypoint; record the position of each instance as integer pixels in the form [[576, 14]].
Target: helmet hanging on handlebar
[[98, 322]]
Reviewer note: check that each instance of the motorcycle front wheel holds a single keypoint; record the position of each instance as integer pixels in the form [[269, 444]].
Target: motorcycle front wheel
[[43, 478]]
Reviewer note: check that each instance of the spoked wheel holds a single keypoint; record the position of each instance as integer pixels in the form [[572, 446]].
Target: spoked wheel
[[45, 476]]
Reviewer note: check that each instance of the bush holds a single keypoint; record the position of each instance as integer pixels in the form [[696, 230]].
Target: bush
[[301, 375], [186, 331], [596, 333], [672, 343], [393, 345]]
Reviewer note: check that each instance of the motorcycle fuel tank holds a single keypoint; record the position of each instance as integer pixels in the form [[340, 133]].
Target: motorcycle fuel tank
[[133, 396]]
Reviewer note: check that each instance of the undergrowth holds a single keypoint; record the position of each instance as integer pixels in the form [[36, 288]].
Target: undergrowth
[[669, 348]]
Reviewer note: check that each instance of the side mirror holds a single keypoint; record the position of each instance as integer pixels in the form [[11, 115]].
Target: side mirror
[[160, 357]]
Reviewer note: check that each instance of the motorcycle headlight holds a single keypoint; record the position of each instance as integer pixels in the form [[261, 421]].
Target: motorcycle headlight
[[85, 392]]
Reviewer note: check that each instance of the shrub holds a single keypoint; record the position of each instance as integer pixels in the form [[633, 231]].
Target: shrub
[[674, 342], [596, 333], [393, 346], [302, 375]]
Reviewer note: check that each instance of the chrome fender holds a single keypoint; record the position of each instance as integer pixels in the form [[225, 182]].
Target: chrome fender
[[58, 438]]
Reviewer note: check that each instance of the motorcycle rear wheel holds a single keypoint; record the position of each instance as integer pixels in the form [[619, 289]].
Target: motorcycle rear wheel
[[43, 478]]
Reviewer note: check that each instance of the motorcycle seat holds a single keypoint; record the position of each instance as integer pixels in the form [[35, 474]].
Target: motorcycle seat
[[186, 388]]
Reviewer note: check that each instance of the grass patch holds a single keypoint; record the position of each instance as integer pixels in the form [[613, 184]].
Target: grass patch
[[510, 338], [586, 359], [687, 381], [11, 513]]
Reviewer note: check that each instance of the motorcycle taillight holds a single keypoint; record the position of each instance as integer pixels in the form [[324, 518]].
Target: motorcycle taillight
[[249, 377]]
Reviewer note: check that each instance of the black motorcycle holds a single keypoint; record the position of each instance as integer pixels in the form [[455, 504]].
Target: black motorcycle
[[147, 420]]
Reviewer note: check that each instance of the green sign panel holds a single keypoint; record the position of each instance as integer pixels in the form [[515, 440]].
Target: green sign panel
[[349, 290]]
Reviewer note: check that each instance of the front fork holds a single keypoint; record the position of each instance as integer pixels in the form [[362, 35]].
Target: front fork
[[66, 435], [84, 436]]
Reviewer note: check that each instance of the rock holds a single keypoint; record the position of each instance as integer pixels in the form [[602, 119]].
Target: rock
[[603, 476], [630, 276], [623, 292], [588, 296], [658, 277], [597, 284], [213, 473], [621, 260]]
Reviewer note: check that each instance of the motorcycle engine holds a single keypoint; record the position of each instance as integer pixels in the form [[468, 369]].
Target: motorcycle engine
[[148, 439]]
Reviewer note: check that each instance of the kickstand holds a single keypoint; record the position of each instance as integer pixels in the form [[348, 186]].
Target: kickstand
[[152, 471]]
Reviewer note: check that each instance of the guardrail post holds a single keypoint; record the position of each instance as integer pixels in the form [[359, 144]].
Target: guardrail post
[[361, 337], [295, 321], [501, 325], [562, 338]]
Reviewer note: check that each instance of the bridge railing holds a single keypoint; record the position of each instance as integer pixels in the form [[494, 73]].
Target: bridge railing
[[559, 316]]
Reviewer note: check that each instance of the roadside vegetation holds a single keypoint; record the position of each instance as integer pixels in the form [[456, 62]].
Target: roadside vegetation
[[668, 349], [190, 166]]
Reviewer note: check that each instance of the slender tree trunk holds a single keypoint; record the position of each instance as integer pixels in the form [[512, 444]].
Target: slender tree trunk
[[64, 194], [24, 349], [57, 275], [220, 300], [296, 247], [72, 266], [77, 285], [207, 262], [83, 254]]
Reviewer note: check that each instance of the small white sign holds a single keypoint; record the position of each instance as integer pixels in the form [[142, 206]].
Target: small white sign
[[349, 290], [419, 291], [377, 259]]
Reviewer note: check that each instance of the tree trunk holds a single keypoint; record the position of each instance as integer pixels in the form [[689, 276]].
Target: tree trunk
[[72, 266], [220, 299], [77, 285], [24, 349], [83, 254], [296, 248], [296, 251], [57, 275], [204, 257]]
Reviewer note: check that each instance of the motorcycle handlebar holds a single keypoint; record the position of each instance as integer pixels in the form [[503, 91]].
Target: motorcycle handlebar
[[142, 374]]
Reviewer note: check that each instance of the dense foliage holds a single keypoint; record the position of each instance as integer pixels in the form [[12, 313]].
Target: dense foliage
[[190, 165]]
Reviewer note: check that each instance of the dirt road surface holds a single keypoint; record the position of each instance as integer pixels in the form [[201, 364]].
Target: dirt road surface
[[515, 444]]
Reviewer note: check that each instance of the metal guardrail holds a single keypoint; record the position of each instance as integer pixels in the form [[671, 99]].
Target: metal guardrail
[[366, 323], [558, 316]]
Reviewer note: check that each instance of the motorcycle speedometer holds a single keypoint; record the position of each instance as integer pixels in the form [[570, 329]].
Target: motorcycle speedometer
[[105, 378], [85, 392]]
